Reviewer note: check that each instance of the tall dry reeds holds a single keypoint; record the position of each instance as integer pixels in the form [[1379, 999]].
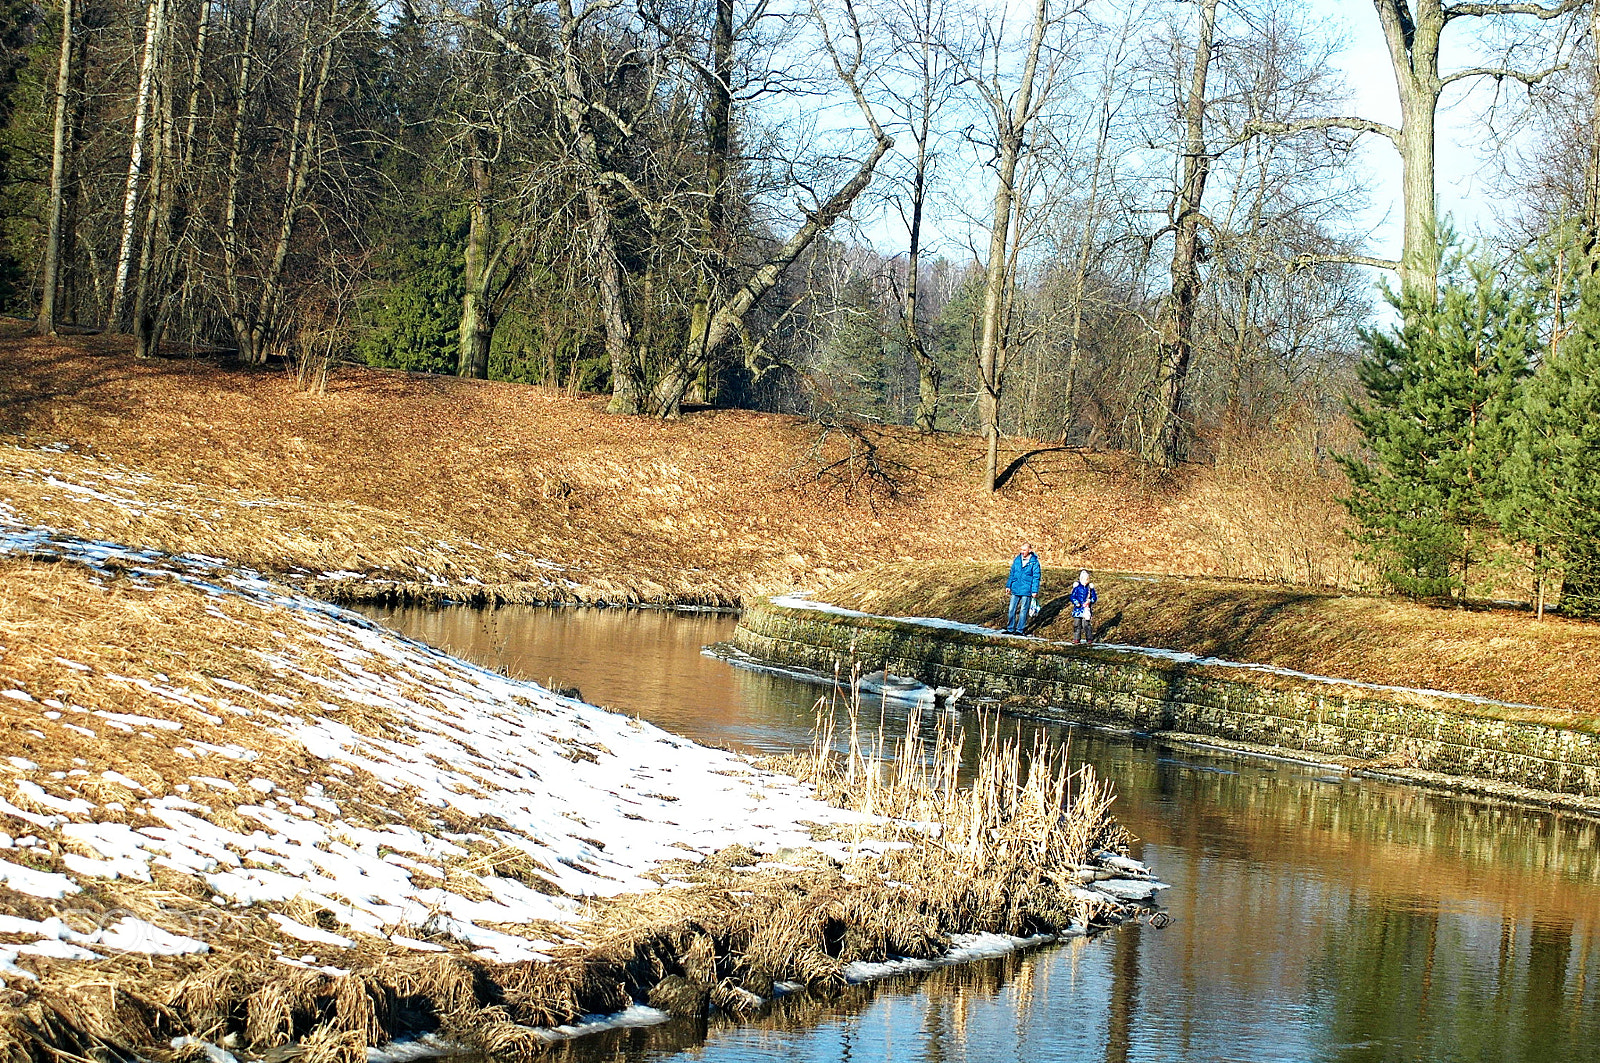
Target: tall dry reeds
[[1023, 808]]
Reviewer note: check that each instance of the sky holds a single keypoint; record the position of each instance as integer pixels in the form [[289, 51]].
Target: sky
[[1463, 191], [1464, 181]]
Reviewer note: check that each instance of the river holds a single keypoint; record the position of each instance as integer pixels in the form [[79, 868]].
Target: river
[[1314, 917]]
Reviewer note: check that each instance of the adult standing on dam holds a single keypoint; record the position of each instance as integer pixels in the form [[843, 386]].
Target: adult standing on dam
[[1023, 583]]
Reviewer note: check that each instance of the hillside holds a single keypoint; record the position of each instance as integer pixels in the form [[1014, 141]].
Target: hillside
[[392, 483]]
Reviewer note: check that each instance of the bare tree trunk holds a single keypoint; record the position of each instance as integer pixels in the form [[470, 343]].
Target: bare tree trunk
[[304, 159], [476, 332], [991, 344], [157, 231], [1412, 34], [1080, 266], [719, 146], [177, 216], [154, 32], [1177, 340], [1591, 176], [928, 374], [46, 322], [576, 110], [231, 240]]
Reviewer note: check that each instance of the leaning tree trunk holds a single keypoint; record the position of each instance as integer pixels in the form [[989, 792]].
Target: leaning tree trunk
[[728, 320], [1177, 331], [46, 322]]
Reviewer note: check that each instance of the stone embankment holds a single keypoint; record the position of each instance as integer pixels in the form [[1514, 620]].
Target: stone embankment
[[1521, 752]]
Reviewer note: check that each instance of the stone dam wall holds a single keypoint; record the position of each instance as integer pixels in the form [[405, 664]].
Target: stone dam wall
[[1411, 733]]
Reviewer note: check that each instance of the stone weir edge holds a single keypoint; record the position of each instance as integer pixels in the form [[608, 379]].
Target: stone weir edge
[[1413, 736]]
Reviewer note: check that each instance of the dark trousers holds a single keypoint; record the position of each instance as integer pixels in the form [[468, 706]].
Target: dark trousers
[[1082, 629]]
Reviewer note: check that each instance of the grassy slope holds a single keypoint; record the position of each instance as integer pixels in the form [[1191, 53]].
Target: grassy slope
[[1502, 654], [446, 481], [355, 838]]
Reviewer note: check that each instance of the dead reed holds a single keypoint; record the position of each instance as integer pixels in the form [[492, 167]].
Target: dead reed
[[1021, 807]]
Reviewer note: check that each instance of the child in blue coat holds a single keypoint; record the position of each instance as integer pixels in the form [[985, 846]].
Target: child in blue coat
[[1083, 597]]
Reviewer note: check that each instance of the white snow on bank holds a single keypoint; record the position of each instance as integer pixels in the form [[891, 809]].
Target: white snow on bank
[[36, 883], [795, 601], [55, 939], [496, 773], [964, 948]]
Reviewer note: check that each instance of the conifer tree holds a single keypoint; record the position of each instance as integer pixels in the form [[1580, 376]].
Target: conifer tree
[[1438, 390], [1551, 473]]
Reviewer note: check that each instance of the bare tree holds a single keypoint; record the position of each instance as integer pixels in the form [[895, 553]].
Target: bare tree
[[172, 185], [1177, 320], [929, 75], [154, 39], [1091, 209], [1010, 113], [46, 321], [1413, 31], [727, 319]]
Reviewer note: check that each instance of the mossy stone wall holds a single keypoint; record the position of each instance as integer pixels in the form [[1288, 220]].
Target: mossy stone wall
[[1150, 694]]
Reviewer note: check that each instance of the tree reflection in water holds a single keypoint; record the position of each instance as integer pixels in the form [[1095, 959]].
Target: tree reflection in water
[[1317, 919]]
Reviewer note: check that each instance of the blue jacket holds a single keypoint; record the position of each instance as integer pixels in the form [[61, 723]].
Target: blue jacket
[[1024, 575], [1082, 596]]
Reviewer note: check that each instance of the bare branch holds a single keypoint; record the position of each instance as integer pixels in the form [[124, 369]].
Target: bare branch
[[1500, 73], [1359, 125], [1539, 11], [1306, 261]]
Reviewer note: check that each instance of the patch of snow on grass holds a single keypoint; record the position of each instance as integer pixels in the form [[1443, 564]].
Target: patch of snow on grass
[[36, 883], [309, 933]]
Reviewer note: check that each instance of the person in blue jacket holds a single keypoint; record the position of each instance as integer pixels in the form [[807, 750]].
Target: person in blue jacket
[[1083, 596], [1023, 583]]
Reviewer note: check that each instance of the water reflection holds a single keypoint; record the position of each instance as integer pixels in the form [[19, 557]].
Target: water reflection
[[1316, 918]]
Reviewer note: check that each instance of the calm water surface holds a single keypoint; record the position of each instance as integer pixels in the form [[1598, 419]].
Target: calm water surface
[[1316, 918]]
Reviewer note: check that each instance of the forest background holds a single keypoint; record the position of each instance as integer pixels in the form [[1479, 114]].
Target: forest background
[[1145, 227]]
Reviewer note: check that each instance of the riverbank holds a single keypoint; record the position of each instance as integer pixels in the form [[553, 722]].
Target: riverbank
[[239, 814], [1497, 654], [1527, 753], [423, 488]]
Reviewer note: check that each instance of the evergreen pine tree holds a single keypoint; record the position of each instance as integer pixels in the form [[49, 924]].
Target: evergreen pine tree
[[1552, 468], [1438, 390]]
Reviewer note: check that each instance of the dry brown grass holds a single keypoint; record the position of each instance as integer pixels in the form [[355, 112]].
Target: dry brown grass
[[724, 935], [435, 482], [1503, 654]]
